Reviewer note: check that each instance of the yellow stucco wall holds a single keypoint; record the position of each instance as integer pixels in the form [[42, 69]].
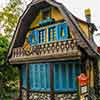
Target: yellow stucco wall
[[55, 13], [92, 77], [84, 27], [90, 74]]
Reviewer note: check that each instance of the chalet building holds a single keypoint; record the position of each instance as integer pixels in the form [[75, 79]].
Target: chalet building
[[51, 47]]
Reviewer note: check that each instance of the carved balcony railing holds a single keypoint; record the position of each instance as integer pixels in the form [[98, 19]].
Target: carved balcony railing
[[50, 51]]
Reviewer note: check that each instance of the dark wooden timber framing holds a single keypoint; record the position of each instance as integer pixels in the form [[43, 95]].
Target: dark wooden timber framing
[[52, 82], [96, 78], [20, 83], [27, 78]]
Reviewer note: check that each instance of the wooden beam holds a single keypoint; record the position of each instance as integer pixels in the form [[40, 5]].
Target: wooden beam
[[27, 78], [52, 82]]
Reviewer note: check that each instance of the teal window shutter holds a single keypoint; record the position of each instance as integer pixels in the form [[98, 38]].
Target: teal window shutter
[[65, 75], [70, 71], [32, 76], [47, 76], [56, 76], [24, 76], [36, 77], [36, 36], [39, 77], [42, 76], [74, 76]]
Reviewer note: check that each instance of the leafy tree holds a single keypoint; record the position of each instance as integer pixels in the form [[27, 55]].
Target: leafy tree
[[8, 74], [9, 16]]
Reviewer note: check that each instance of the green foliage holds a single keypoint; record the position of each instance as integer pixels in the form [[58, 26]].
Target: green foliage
[[8, 73], [3, 49], [9, 16]]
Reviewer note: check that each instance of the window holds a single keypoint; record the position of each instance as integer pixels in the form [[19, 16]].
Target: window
[[52, 34], [39, 77], [33, 38], [65, 76], [63, 31], [42, 36], [46, 13], [24, 76]]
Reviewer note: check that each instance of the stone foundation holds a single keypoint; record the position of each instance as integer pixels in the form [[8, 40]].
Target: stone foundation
[[24, 95], [39, 96], [45, 96], [66, 96]]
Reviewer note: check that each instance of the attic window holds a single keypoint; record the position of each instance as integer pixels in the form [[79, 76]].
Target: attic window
[[46, 13]]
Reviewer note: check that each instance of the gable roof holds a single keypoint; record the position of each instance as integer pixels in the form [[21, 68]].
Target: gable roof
[[29, 15]]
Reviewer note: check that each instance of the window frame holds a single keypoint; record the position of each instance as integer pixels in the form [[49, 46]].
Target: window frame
[[53, 35], [66, 31], [40, 41], [49, 9]]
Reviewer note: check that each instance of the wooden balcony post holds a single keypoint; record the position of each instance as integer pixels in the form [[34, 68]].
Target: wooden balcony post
[[27, 80], [52, 81]]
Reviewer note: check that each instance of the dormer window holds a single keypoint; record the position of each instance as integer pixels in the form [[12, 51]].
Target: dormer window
[[46, 13]]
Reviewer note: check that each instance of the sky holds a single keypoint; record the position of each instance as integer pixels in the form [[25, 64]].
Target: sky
[[77, 7]]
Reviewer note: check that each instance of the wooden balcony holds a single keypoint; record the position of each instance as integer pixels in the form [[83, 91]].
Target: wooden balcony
[[55, 51]]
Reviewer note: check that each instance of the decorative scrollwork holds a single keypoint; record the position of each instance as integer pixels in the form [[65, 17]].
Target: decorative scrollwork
[[28, 51]]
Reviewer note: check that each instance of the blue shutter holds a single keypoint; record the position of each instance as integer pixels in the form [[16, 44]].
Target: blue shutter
[[36, 77], [24, 76], [60, 76], [74, 77], [30, 39], [64, 77], [34, 34], [58, 33], [65, 29], [67, 76], [39, 75], [56, 77], [47, 76], [44, 34], [70, 76], [32, 76]]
